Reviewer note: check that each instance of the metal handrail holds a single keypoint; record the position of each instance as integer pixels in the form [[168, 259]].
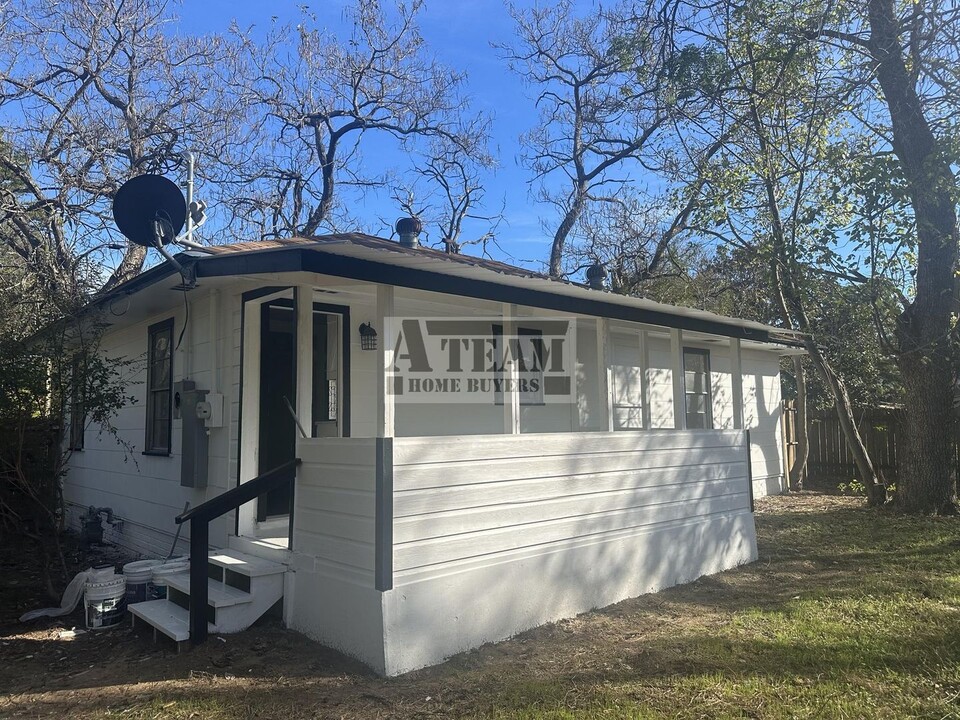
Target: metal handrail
[[242, 493], [200, 517]]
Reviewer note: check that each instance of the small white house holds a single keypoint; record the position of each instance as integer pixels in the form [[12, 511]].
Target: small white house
[[414, 528]]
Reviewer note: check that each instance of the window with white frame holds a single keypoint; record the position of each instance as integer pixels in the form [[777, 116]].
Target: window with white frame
[[696, 388], [627, 378]]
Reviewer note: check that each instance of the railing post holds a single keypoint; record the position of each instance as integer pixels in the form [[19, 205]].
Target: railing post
[[199, 547]]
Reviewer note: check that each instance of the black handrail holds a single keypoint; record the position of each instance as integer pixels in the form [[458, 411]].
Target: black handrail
[[242, 493], [200, 517]]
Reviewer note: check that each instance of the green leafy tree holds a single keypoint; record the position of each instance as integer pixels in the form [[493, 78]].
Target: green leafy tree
[[57, 376], [838, 127]]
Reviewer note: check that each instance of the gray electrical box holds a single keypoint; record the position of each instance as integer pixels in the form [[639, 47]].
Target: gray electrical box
[[192, 409]]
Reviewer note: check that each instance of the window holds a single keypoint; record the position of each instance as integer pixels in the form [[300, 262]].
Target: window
[[528, 351], [696, 388], [78, 417], [159, 388], [627, 378], [326, 371]]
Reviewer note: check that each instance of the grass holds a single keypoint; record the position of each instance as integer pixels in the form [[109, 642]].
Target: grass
[[871, 629], [849, 613]]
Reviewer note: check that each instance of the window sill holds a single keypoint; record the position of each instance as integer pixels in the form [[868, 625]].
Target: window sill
[[158, 453]]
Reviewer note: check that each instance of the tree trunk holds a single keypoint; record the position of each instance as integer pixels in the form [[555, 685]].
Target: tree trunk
[[129, 267], [798, 473], [927, 482], [794, 313], [787, 295], [566, 225], [848, 424]]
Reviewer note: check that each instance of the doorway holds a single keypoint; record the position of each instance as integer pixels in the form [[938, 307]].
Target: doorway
[[277, 437], [270, 397]]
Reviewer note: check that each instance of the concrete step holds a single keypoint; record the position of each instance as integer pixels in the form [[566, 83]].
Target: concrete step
[[245, 564], [218, 594], [167, 617]]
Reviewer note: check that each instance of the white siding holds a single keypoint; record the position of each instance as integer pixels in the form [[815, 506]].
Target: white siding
[[761, 396], [333, 518], [144, 491], [763, 412], [494, 535], [334, 600], [660, 377], [363, 367]]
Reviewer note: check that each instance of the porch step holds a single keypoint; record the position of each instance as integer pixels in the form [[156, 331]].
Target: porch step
[[167, 617], [245, 564], [218, 594], [259, 548], [241, 588]]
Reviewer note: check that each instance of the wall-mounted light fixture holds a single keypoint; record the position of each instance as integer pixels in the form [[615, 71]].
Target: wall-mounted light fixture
[[368, 337]]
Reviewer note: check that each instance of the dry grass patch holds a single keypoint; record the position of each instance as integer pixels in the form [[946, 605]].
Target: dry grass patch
[[849, 613]]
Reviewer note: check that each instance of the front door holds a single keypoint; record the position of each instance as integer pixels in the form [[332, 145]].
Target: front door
[[278, 429], [330, 361]]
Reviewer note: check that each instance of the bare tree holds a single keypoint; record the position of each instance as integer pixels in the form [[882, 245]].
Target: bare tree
[[634, 239], [603, 104], [447, 193], [315, 108], [105, 94]]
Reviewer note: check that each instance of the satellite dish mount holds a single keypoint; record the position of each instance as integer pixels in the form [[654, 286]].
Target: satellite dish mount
[[150, 211]]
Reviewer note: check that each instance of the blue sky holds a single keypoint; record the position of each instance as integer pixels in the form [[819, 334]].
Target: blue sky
[[460, 35]]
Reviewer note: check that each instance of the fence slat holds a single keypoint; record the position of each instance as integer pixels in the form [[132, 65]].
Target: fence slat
[[829, 455]]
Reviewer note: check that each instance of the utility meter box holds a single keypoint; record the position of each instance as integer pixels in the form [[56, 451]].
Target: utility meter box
[[192, 406], [211, 410]]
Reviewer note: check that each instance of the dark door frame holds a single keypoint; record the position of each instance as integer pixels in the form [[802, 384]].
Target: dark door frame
[[345, 426]]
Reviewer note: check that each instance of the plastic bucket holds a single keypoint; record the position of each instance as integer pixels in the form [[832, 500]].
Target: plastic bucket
[[157, 590], [104, 602], [138, 575], [102, 573]]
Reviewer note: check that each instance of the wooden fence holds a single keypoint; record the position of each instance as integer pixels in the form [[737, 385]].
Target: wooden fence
[[830, 458]]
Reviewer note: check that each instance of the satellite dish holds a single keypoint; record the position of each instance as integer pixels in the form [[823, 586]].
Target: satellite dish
[[150, 210]]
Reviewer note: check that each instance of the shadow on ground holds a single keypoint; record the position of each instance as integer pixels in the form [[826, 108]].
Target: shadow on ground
[[841, 596]]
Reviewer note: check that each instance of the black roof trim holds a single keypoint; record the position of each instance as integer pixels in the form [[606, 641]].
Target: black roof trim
[[317, 261]]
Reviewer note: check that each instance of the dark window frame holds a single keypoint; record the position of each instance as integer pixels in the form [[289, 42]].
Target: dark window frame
[[78, 415], [164, 326], [707, 394]]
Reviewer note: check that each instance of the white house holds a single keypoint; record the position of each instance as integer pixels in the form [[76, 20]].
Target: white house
[[413, 530]]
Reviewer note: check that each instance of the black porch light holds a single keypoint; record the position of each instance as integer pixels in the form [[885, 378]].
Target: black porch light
[[368, 337]]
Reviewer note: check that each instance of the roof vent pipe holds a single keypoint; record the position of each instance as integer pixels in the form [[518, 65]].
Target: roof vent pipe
[[408, 228], [597, 277]]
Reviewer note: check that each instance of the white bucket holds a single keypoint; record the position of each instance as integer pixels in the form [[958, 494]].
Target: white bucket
[[138, 575], [103, 602], [158, 582], [104, 573]]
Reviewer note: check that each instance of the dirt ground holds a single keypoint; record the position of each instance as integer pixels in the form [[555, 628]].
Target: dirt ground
[[269, 672]]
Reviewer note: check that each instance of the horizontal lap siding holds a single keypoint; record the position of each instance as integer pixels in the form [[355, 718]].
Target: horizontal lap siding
[[763, 415], [535, 491], [335, 504]]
